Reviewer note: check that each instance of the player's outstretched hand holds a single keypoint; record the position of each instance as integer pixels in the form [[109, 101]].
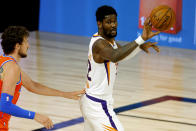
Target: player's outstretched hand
[[148, 45], [74, 95], [147, 30], [44, 120]]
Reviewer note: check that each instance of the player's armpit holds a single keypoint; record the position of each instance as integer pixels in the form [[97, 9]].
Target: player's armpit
[[27, 82]]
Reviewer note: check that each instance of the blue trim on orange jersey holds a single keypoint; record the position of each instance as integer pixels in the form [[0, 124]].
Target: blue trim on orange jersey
[[19, 80], [5, 63], [8, 61], [10, 57]]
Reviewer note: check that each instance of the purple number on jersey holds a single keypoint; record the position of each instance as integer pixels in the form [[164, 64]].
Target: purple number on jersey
[[89, 69]]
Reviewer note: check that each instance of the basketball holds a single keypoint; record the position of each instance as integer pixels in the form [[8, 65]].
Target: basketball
[[162, 18]]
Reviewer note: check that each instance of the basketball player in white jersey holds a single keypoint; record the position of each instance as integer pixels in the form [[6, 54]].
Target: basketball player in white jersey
[[104, 53]]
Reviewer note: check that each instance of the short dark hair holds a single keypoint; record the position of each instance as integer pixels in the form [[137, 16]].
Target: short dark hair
[[11, 36], [104, 11]]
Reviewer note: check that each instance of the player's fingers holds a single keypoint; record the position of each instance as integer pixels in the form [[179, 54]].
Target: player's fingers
[[150, 24], [155, 33], [78, 93], [156, 48], [154, 43], [146, 50], [147, 21], [83, 91], [46, 125], [150, 44], [51, 124]]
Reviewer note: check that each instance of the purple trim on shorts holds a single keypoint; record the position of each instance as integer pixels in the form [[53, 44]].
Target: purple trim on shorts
[[104, 106]]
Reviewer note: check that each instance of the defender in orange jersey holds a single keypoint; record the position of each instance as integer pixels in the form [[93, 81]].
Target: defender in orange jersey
[[15, 45]]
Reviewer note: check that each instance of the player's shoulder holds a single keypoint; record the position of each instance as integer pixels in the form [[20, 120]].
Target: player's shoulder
[[12, 66], [118, 45], [101, 43]]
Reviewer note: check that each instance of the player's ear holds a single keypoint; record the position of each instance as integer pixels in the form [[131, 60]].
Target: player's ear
[[17, 46], [99, 24]]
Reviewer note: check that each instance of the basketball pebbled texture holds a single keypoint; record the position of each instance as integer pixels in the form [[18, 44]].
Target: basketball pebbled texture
[[162, 17]]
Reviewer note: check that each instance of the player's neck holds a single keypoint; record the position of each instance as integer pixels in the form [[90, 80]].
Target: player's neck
[[15, 56], [111, 40]]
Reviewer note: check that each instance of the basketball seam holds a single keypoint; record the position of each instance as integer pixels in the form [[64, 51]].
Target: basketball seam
[[162, 18], [169, 21]]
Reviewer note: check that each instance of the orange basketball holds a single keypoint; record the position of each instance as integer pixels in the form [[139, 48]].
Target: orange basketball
[[162, 17]]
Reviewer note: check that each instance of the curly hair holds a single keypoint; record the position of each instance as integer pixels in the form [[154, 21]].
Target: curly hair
[[11, 36], [104, 11]]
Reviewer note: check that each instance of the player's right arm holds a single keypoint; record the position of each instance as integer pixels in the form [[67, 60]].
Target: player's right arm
[[11, 75], [102, 51]]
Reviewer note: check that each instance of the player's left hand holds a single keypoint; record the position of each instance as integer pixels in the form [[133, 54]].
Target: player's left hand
[[148, 45], [147, 30], [75, 95]]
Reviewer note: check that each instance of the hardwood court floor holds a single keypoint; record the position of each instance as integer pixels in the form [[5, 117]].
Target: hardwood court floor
[[59, 61]]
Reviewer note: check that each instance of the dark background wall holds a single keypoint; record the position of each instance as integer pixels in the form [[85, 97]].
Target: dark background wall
[[19, 12]]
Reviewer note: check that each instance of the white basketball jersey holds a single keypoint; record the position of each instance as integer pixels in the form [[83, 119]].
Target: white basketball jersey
[[100, 76]]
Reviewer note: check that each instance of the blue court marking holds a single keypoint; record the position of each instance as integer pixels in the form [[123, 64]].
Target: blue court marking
[[63, 124], [123, 109], [141, 104], [162, 120]]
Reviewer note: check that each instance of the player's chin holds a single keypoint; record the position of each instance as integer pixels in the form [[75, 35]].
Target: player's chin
[[113, 34], [23, 55]]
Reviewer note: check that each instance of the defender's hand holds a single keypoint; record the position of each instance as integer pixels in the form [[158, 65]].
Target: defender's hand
[[147, 45], [147, 30], [74, 95], [44, 120]]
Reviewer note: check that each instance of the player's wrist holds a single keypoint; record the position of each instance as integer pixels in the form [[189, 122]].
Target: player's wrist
[[36, 117], [66, 95], [140, 40], [61, 94]]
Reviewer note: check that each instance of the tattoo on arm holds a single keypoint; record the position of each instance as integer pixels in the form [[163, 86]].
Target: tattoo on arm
[[124, 51], [106, 52]]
